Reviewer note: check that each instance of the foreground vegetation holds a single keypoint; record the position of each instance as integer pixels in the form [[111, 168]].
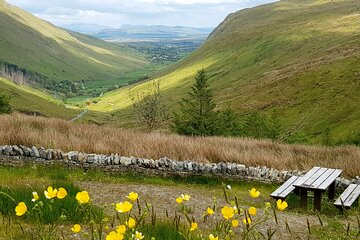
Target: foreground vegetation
[[68, 212], [53, 133]]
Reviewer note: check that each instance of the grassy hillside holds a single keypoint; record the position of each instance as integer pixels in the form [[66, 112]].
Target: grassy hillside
[[31, 101], [298, 57], [40, 47]]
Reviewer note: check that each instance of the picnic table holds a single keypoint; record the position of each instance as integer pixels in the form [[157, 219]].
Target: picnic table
[[318, 179]]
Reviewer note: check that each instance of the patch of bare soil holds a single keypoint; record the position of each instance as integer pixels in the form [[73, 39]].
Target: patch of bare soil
[[163, 199]]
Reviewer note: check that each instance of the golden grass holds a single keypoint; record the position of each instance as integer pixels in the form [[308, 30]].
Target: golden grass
[[53, 133]]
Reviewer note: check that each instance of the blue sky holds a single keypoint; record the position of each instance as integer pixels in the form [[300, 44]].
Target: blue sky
[[115, 13]]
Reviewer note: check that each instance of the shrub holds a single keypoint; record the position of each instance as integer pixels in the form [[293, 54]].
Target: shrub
[[5, 106]]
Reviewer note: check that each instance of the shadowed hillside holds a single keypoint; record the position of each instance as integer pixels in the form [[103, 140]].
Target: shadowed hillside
[[53, 58], [31, 101]]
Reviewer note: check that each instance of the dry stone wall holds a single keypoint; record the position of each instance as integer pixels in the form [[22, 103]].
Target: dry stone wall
[[18, 155]]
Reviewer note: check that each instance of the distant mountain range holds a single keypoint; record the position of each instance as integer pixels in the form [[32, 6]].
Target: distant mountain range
[[83, 28], [141, 32]]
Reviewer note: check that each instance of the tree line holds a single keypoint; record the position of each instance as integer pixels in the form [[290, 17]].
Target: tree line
[[198, 114]]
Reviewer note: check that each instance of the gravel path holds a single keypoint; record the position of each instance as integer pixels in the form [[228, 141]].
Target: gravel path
[[163, 199]]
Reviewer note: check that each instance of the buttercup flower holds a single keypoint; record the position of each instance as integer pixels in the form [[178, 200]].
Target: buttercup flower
[[211, 237], [133, 196], [252, 211], [281, 205], [268, 205], [138, 235], [62, 193], [228, 212], [254, 193], [123, 207], [83, 197], [185, 197], [35, 196], [21, 209], [50, 192], [114, 236], [179, 200], [247, 221], [121, 229], [131, 223], [193, 226], [234, 223], [210, 211], [76, 228]]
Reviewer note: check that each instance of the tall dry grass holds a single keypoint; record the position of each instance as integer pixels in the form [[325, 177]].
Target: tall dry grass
[[53, 133]]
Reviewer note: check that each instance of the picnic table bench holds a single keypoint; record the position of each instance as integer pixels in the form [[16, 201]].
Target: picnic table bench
[[318, 180], [348, 197], [284, 190]]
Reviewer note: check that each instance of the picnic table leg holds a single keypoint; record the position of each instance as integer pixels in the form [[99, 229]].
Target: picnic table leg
[[331, 191], [317, 200], [303, 198]]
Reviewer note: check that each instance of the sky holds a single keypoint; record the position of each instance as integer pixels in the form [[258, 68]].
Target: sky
[[115, 13]]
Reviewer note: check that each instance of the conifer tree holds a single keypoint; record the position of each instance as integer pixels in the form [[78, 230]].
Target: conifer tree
[[197, 115]]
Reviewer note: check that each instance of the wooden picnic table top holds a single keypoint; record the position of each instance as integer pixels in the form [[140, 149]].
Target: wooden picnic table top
[[318, 178]]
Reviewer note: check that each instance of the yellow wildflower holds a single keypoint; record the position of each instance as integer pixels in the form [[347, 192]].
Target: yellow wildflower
[[179, 200], [121, 229], [252, 211], [133, 196], [123, 207], [210, 211], [234, 223], [21, 209], [62, 193], [193, 226], [247, 221], [185, 197], [254, 193], [228, 212], [50, 192], [83, 197], [268, 205], [281, 205], [114, 236], [131, 223], [138, 236], [76, 228], [211, 237], [35, 196]]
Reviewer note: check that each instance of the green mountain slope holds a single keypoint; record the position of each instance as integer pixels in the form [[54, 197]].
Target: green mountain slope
[[300, 57], [31, 101], [54, 55]]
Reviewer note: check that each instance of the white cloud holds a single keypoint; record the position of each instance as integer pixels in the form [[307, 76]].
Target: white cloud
[[115, 13]]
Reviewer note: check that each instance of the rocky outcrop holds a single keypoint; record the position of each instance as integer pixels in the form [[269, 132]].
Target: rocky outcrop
[[163, 166]]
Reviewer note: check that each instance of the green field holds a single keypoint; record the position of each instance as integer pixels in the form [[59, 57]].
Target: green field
[[59, 56], [298, 57], [31, 101]]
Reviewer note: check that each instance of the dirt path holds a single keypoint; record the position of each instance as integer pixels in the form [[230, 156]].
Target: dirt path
[[80, 115], [163, 199]]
